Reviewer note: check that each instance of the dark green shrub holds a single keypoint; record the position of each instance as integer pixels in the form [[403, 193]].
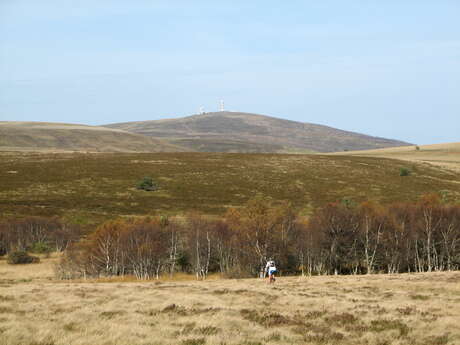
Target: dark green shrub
[[164, 221], [348, 202], [20, 257], [404, 172], [147, 184], [183, 261], [40, 248]]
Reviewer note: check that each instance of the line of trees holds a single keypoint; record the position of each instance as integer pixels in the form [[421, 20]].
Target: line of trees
[[36, 234], [368, 238], [340, 238]]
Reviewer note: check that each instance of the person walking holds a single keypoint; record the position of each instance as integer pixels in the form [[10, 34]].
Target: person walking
[[270, 268]]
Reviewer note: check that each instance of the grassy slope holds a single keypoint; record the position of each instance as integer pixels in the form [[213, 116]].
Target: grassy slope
[[419, 309], [245, 132], [443, 155], [102, 185], [21, 136]]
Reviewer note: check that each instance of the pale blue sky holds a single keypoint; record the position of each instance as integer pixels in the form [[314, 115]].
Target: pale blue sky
[[386, 68]]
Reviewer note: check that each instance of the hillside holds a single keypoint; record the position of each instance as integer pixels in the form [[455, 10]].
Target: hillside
[[244, 132], [102, 185], [445, 155], [36, 136]]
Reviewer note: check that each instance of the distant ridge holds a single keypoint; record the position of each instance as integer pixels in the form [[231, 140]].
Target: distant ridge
[[37, 136], [245, 132], [445, 155]]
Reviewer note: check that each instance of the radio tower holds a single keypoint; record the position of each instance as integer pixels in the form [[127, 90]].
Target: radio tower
[[201, 110], [222, 105]]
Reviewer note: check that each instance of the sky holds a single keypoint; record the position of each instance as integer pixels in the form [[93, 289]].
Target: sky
[[384, 68]]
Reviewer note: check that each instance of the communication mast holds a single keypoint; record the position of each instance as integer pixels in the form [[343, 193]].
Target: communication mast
[[222, 105], [201, 110]]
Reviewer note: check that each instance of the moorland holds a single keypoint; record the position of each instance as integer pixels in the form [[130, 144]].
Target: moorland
[[227, 131], [418, 309], [64, 137], [95, 186], [209, 132], [89, 188]]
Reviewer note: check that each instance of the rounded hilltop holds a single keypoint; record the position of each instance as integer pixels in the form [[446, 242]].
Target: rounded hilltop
[[227, 131], [49, 136]]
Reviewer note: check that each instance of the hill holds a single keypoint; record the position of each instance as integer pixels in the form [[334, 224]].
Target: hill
[[244, 132], [445, 155], [24, 136], [102, 185]]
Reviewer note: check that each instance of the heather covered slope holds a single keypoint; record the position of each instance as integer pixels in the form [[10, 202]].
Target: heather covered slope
[[103, 185], [244, 132], [37, 136]]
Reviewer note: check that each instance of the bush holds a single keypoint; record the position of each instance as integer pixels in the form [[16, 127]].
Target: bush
[[147, 184], [40, 248], [183, 261], [348, 202], [20, 257], [404, 172]]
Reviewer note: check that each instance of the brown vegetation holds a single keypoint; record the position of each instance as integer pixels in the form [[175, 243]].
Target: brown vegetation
[[39, 136], [89, 188], [348, 310], [340, 238], [446, 155], [36, 234], [114, 307], [244, 132]]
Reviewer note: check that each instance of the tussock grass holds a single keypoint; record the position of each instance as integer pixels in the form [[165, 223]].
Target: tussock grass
[[382, 325], [342, 319], [420, 297], [12, 274], [177, 277], [296, 310], [194, 341]]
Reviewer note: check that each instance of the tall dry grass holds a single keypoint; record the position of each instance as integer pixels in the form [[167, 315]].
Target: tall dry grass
[[376, 309], [42, 271], [446, 156]]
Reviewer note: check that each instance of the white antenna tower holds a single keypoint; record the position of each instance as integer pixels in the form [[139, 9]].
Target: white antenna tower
[[222, 105], [201, 110]]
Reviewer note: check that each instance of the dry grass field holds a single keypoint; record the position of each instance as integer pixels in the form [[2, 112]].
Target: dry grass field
[[378, 309], [443, 155]]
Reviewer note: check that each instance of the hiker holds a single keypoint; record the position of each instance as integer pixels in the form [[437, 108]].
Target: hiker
[[270, 268]]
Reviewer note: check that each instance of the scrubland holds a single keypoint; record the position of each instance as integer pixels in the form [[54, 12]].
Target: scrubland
[[375, 309], [91, 187], [37, 309]]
